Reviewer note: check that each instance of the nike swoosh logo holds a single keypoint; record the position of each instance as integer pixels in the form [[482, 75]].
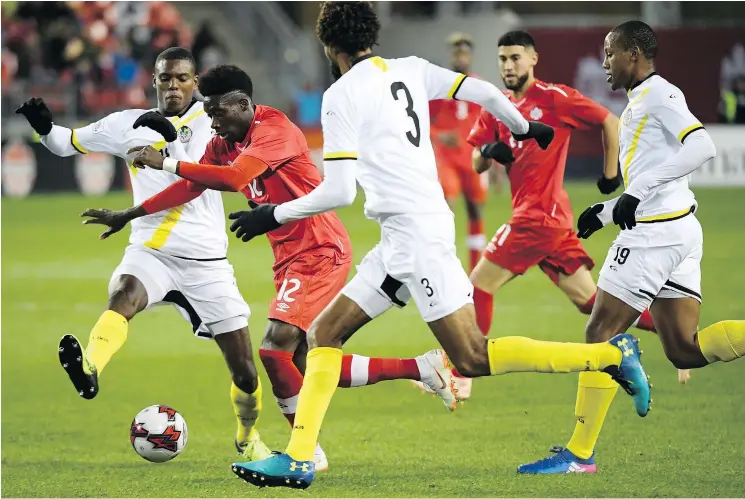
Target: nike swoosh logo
[[444, 385]]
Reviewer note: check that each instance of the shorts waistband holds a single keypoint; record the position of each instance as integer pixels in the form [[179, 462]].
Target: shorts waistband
[[668, 217]]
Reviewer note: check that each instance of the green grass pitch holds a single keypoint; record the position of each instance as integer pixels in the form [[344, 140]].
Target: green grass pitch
[[386, 440]]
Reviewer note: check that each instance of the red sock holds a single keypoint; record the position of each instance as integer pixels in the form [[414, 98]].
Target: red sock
[[286, 380], [476, 241], [645, 322], [483, 302], [357, 370], [587, 307]]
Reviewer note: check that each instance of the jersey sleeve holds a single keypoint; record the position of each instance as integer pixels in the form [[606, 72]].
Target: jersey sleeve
[[275, 142], [441, 83], [673, 115], [485, 130], [340, 128], [105, 135], [577, 111]]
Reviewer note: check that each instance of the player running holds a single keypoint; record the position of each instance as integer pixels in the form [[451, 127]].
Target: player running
[[376, 131], [541, 231], [655, 261], [176, 257], [259, 152]]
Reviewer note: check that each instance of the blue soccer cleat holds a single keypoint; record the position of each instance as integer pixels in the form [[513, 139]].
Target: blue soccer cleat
[[630, 373], [279, 470], [563, 461]]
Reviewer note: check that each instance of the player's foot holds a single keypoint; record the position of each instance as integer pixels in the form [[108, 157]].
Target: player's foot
[[462, 388], [319, 458], [435, 372], [254, 449], [684, 376], [278, 470], [82, 373], [630, 373], [562, 461]]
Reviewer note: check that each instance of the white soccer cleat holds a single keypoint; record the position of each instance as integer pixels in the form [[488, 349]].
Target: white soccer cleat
[[684, 376], [462, 388], [434, 369], [319, 457]]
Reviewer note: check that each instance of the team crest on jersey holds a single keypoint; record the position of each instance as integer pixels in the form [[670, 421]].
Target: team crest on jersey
[[627, 116], [184, 134], [536, 113]]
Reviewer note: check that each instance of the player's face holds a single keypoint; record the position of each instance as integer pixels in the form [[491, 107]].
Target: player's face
[[231, 115], [461, 58], [618, 63], [516, 65], [174, 83]]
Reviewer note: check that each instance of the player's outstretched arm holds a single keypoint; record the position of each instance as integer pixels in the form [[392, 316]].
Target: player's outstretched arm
[[595, 218], [611, 178]]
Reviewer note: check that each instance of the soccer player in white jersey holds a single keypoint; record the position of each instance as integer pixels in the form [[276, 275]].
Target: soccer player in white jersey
[[376, 131], [176, 257], [655, 260]]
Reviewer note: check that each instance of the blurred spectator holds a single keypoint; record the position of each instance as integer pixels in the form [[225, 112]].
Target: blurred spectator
[[207, 49], [732, 105], [307, 104]]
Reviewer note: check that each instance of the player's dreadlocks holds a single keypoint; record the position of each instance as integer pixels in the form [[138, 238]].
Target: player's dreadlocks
[[176, 54], [637, 34], [516, 37], [223, 79], [349, 27]]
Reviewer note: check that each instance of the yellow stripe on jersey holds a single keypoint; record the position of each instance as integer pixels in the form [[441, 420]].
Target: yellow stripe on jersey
[[380, 63], [161, 234], [667, 216], [644, 92], [632, 149], [76, 143], [339, 155], [682, 135], [456, 86], [162, 143]]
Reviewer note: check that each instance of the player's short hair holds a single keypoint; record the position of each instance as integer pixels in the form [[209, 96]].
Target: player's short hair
[[516, 37], [637, 34], [456, 39], [349, 27], [223, 79], [176, 54]]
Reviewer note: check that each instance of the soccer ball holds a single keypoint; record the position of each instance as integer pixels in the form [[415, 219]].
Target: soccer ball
[[158, 433]]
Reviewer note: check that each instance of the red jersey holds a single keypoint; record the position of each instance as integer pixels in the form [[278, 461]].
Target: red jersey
[[277, 142], [537, 176], [450, 115]]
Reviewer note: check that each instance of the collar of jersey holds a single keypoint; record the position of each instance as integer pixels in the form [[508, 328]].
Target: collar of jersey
[[184, 112], [641, 82]]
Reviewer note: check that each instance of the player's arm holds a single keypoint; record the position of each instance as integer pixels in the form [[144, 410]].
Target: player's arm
[[697, 148], [484, 137], [611, 178]]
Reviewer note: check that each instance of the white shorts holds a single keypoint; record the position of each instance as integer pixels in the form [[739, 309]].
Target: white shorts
[[415, 258], [655, 260], [204, 292]]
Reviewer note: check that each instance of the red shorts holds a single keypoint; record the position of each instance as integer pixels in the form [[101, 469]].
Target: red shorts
[[457, 178], [519, 247], [306, 285]]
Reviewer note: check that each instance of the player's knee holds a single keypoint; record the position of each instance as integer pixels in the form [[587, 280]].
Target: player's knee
[[245, 377], [281, 337], [597, 331], [128, 297]]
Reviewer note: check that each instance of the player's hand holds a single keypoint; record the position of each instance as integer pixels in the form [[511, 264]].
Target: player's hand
[[499, 152], [259, 220], [115, 220], [146, 156], [589, 222], [158, 123], [449, 139], [624, 213], [38, 115], [608, 185], [543, 134]]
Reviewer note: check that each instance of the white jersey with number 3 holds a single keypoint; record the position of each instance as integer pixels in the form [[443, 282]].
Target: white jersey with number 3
[[378, 114], [195, 230]]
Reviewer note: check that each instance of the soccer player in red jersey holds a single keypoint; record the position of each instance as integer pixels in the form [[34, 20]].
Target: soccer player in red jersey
[[541, 229], [258, 151], [450, 122]]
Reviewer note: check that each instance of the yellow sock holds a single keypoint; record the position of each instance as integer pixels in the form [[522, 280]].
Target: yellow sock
[[247, 408], [106, 338], [594, 396], [322, 373], [723, 341], [517, 354]]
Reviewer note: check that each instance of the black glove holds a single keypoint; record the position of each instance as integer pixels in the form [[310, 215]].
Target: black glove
[[38, 115], [258, 221], [543, 134], [158, 123], [624, 213], [589, 222], [608, 185], [499, 152]]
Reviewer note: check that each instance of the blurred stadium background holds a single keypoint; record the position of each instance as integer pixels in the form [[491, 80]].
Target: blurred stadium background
[[88, 59]]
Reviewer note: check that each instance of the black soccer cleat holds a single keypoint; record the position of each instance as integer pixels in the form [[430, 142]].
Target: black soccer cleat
[[81, 372]]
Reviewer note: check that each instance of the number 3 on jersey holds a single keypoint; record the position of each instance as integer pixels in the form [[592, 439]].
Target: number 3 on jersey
[[395, 88]]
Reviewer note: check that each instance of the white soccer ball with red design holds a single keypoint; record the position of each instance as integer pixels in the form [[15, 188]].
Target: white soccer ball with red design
[[158, 433]]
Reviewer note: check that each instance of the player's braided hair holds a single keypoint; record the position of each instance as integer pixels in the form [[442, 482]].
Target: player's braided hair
[[349, 27], [637, 34], [223, 79], [176, 54]]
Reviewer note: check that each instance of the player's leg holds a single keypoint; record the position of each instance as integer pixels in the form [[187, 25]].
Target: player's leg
[[141, 279], [475, 189]]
